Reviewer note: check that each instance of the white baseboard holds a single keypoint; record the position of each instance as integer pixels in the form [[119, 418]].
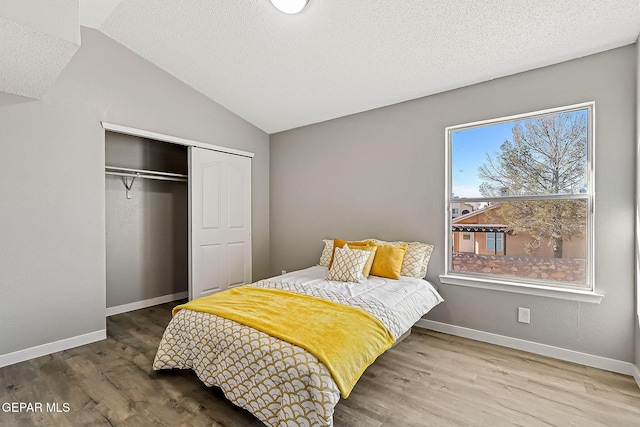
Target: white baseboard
[[65, 344], [52, 347], [599, 362], [636, 374], [111, 311]]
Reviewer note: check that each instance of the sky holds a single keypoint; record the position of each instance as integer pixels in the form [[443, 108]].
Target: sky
[[468, 148]]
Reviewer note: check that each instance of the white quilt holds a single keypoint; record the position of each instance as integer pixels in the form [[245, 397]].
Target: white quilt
[[408, 298]]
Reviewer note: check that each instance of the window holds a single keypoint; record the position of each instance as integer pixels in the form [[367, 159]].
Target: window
[[529, 182], [494, 242]]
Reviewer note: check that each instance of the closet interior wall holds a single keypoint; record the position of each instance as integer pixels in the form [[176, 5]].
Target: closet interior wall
[[146, 235]]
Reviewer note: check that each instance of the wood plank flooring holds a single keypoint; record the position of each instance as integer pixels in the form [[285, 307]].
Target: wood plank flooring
[[429, 379]]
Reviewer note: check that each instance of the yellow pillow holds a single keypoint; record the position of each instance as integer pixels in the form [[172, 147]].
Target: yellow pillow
[[388, 261], [339, 243], [372, 254]]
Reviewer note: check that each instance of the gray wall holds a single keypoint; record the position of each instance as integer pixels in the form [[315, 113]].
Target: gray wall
[[381, 174], [637, 299], [147, 235], [52, 184]]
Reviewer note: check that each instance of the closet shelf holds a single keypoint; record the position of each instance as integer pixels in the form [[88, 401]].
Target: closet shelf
[[147, 174]]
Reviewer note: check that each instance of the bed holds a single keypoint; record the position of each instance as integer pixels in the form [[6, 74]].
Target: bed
[[279, 382]]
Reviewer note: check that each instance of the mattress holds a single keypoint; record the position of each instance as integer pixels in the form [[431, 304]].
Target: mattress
[[280, 383]]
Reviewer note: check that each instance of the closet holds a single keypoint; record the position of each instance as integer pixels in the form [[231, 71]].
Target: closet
[[178, 218]]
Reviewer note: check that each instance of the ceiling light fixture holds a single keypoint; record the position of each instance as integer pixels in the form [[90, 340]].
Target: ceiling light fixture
[[290, 6]]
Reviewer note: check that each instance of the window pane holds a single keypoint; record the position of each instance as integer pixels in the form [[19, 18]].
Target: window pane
[[536, 156], [532, 240], [491, 241]]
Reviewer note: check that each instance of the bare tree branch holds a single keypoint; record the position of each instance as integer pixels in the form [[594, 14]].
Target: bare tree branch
[[547, 155]]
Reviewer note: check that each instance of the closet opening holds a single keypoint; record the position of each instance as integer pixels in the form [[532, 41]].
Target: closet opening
[[147, 243]]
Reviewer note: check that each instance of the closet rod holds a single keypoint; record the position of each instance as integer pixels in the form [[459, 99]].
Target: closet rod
[[139, 175], [148, 174]]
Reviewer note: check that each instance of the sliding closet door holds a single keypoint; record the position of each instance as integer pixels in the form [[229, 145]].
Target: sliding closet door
[[220, 221]]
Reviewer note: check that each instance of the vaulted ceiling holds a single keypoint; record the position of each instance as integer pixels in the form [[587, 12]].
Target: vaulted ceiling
[[337, 57]]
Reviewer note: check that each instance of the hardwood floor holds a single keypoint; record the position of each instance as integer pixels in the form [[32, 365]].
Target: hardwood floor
[[429, 379]]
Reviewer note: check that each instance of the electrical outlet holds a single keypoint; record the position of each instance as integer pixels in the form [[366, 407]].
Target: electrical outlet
[[524, 315], [284, 271]]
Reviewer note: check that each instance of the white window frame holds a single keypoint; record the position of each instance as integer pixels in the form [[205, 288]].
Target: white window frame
[[514, 284]]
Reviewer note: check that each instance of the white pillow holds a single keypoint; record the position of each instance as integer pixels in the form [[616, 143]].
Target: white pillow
[[325, 258], [347, 265]]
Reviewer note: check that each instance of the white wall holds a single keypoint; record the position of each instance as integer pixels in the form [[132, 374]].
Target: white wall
[[381, 174], [52, 184]]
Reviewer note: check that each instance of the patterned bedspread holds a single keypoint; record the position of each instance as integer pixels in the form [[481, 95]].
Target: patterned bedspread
[[280, 383]]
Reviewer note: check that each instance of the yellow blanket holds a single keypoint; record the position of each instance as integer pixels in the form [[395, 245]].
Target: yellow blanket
[[346, 339]]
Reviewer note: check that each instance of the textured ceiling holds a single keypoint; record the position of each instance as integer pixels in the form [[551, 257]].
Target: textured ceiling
[[37, 41], [340, 57]]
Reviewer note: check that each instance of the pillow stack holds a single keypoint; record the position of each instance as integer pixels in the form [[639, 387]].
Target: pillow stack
[[416, 258], [383, 259]]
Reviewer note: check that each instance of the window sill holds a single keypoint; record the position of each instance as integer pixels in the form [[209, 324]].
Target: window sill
[[568, 294]]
